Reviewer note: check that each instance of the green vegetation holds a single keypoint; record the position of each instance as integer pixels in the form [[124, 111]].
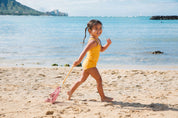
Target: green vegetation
[[12, 7]]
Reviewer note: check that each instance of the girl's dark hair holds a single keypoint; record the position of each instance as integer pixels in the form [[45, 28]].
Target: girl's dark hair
[[90, 25]]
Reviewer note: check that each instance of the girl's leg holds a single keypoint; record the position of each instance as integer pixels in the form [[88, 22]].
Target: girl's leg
[[84, 76], [95, 74]]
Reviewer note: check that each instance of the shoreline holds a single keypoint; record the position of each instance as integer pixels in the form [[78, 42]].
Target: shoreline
[[110, 67], [142, 67]]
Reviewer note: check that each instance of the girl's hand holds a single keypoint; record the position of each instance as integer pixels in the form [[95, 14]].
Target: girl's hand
[[109, 41], [77, 62]]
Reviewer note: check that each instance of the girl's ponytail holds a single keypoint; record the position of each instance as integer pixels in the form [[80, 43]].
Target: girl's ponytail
[[85, 35]]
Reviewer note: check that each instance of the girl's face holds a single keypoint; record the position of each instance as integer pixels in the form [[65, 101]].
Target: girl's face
[[96, 30]]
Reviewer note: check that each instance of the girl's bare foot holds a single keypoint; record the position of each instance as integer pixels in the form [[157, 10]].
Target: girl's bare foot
[[106, 99], [69, 95]]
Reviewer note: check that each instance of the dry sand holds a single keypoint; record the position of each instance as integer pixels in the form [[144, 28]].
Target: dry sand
[[136, 93]]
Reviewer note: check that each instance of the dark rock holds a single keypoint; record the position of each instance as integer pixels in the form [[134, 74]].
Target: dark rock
[[67, 65], [54, 64], [49, 112], [157, 52], [164, 18], [80, 65]]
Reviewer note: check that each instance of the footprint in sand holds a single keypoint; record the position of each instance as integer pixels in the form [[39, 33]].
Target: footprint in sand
[[42, 75], [74, 109], [2, 115], [113, 83], [80, 94], [108, 104], [36, 87], [93, 100], [59, 76]]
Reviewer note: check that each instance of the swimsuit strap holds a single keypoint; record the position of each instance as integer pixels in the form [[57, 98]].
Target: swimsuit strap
[[99, 43]]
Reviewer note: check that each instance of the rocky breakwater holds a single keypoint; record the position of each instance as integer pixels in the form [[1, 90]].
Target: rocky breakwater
[[164, 18]]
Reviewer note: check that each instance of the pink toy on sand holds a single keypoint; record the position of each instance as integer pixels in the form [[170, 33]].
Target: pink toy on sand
[[54, 95]]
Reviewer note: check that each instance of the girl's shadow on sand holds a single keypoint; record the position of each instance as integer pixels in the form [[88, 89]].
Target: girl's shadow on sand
[[139, 106], [153, 106]]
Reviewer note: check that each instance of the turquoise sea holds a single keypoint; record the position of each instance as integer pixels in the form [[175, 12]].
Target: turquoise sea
[[45, 40]]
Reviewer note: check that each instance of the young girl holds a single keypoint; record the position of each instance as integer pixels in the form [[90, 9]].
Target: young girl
[[93, 49]]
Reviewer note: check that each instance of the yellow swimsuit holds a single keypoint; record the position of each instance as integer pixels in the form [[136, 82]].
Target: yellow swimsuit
[[92, 56]]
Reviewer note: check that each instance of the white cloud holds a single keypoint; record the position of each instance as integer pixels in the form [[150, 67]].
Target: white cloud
[[106, 7]]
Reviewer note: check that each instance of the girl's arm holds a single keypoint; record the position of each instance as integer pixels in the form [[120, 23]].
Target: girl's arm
[[103, 48], [90, 45]]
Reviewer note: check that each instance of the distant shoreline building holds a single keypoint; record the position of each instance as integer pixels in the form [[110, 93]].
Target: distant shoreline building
[[56, 13]]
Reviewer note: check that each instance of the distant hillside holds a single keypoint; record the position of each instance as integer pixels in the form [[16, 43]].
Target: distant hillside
[[12, 7]]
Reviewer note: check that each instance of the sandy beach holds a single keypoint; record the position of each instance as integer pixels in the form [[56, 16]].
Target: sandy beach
[[136, 93]]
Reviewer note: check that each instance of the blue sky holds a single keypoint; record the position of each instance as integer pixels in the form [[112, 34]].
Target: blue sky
[[107, 7]]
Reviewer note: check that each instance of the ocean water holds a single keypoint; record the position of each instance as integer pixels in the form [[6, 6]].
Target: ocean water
[[45, 40]]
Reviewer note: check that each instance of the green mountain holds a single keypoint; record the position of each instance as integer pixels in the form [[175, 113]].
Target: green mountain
[[12, 7]]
